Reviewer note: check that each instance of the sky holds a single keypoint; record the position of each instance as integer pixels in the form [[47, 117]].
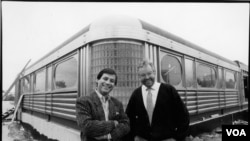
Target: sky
[[32, 29]]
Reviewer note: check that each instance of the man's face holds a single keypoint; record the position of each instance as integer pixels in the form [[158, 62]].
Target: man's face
[[147, 76], [106, 84]]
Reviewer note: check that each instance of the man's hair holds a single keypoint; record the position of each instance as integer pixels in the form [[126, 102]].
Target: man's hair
[[144, 63], [107, 71]]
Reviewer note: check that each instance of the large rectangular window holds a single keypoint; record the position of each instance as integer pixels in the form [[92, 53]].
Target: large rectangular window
[[230, 79], [206, 76], [66, 73], [40, 81]]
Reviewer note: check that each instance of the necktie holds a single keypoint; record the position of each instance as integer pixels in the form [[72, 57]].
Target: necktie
[[150, 105]]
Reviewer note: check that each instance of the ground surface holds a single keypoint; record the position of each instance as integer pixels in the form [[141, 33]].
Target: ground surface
[[15, 132]]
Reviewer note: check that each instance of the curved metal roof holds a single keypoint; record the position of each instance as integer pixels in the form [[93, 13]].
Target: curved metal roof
[[129, 23], [115, 21]]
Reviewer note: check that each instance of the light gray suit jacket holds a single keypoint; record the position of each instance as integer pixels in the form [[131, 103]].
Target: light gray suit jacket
[[91, 119]]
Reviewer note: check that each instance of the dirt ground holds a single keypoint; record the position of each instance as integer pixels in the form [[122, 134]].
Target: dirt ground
[[15, 132]]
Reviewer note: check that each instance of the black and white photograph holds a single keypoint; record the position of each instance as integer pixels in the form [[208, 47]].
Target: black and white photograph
[[130, 71]]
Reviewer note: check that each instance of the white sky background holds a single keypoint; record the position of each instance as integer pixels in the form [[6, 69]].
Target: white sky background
[[32, 29]]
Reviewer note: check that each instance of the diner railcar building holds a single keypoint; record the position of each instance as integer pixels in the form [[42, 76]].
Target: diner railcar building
[[210, 85]]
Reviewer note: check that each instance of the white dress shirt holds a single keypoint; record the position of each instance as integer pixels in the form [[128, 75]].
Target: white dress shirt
[[154, 91], [105, 106]]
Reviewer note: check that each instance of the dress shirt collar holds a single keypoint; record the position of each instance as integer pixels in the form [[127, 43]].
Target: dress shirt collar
[[155, 86], [107, 98]]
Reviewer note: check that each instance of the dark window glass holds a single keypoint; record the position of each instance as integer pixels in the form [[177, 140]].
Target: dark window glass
[[66, 74], [206, 76], [189, 71], [230, 79], [171, 70], [40, 81], [220, 82]]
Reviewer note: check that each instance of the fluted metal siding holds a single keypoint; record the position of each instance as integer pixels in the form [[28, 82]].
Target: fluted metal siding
[[204, 101], [57, 104]]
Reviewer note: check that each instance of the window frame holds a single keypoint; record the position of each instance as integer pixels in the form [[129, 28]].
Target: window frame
[[222, 77], [35, 78], [207, 65], [22, 84], [59, 61], [47, 78], [162, 53], [194, 74], [235, 78]]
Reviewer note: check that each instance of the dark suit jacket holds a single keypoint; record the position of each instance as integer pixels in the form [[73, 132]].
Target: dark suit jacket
[[91, 118], [170, 116]]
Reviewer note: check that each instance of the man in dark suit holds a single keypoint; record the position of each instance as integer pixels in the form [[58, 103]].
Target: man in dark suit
[[155, 110], [100, 116]]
